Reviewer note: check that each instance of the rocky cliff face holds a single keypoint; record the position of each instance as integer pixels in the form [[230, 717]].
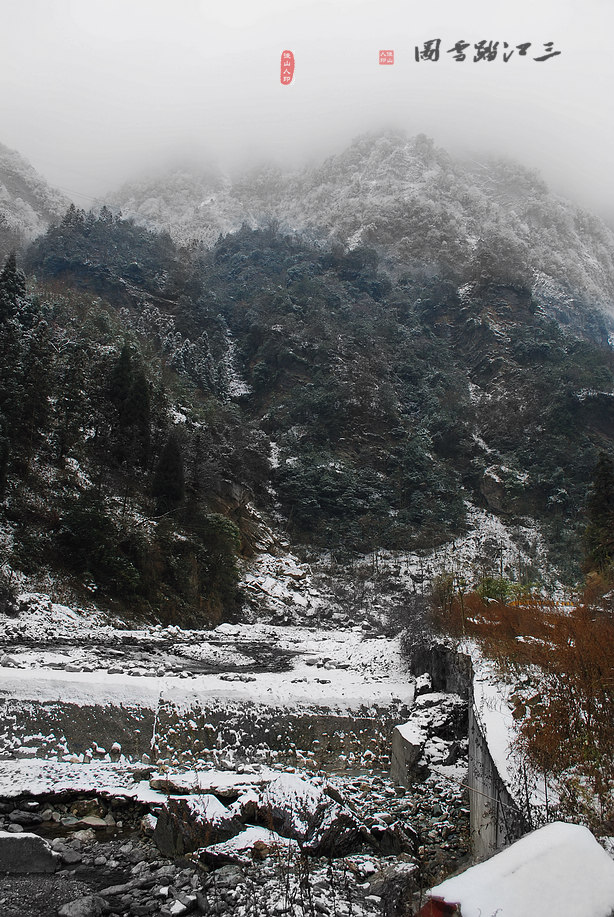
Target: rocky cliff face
[[27, 203]]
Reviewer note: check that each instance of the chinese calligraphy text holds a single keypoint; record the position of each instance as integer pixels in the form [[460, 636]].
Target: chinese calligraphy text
[[287, 67]]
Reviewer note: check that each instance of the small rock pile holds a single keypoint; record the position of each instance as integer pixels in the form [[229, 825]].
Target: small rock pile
[[64, 813]]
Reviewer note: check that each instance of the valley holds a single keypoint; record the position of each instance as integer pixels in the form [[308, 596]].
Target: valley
[[306, 506]]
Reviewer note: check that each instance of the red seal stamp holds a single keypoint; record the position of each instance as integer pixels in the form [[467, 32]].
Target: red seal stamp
[[386, 57], [287, 67]]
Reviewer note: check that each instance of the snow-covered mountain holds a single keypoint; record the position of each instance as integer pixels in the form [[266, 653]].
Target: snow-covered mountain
[[416, 204], [28, 204]]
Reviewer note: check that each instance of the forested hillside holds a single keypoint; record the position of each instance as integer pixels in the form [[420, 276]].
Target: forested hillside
[[158, 400], [421, 208]]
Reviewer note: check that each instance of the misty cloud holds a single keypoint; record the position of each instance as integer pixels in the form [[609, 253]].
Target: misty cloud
[[96, 91]]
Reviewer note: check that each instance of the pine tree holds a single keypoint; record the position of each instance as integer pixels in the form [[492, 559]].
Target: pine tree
[[121, 377], [128, 389], [74, 217], [169, 484], [12, 287], [135, 420], [71, 404], [36, 385]]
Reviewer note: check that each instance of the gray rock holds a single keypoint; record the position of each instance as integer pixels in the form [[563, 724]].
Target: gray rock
[[25, 818], [137, 855], [394, 839], [333, 832], [177, 909], [118, 889], [93, 821], [408, 741], [394, 886], [26, 853], [225, 878], [148, 824], [424, 684], [190, 822], [89, 906], [69, 820], [289, 805], [70, 856]]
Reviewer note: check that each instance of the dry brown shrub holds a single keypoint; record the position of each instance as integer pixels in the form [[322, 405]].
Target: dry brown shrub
[[567, 722]]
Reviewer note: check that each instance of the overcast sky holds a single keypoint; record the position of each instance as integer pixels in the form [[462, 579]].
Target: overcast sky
[[92, 91]]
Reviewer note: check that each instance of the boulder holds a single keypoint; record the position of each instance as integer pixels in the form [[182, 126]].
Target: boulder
[[424, 684], [89, 906], [70, 855], [334, 831], [148, 824], [395, 839], [289, 804], [408, 741], [220, 883], [315, 816], [189, 822], [26, 853], [25, 819], [93, 821], [246, 807], [395, 885]]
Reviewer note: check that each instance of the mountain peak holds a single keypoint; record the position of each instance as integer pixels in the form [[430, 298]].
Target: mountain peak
[[416, 204]]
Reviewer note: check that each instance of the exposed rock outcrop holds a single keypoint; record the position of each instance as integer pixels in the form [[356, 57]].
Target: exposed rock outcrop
[[190, 822], [26, 853]]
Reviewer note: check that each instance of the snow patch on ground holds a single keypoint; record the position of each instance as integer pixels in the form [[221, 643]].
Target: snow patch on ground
[[559, 869]]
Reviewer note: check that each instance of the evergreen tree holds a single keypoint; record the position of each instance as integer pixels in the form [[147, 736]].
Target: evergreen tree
[[74, 217], [5, 449], [121, 377], [135, 420], [12, 287], [168, 484], [128, 389], [71, 404], [599, 535], [105, 215], [195, 480], [36, 385]]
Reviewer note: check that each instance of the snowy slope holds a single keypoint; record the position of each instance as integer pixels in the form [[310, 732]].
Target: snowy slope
[[407, 198], [27, 203]]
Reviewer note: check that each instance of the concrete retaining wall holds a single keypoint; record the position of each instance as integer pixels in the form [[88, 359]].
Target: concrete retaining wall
[[496, 818]]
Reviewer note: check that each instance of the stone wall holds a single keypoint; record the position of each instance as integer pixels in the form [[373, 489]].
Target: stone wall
[[496, 818]]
